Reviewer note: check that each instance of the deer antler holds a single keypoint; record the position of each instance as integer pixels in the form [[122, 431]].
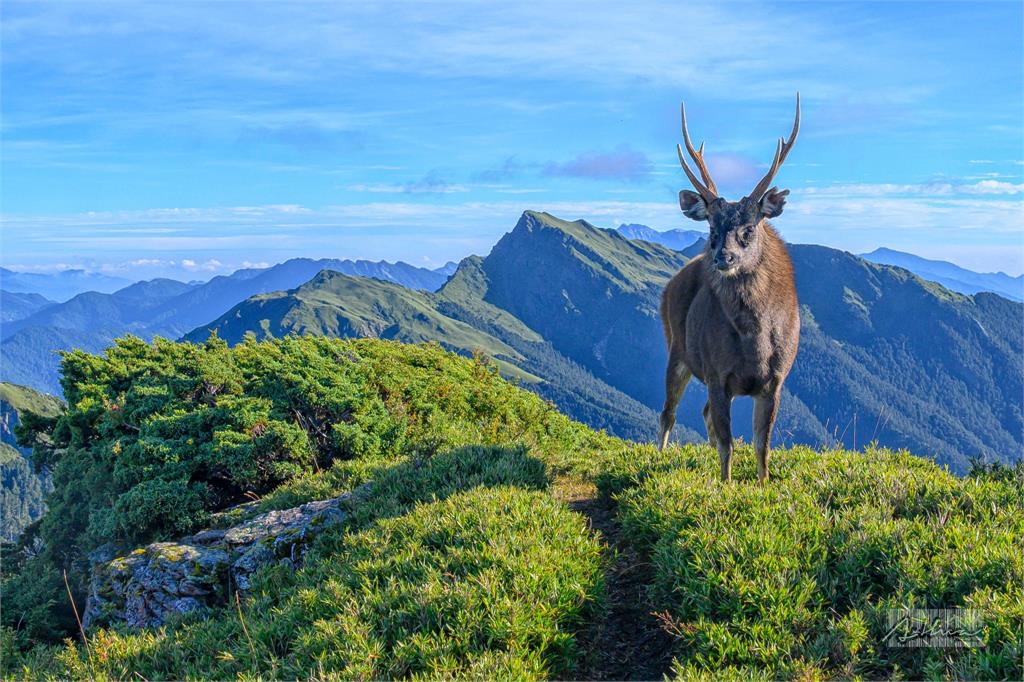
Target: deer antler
[[708, 189], [781, 152]]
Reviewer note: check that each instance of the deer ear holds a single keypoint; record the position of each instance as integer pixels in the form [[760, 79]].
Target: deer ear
[[693, 205], [772, 202]]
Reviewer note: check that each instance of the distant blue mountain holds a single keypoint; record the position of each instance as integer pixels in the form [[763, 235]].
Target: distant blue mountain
[[950, 275], [676, 240], [15, 306], [126, 310], [163, 307], [448, 269], [59, 286]]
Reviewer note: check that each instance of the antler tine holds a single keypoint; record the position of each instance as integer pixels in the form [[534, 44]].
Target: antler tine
[[709, 191], [708, 195], [781, 152]]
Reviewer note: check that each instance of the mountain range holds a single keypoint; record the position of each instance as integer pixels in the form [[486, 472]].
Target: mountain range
[[885, 356], [60, 286], [571, 311], [947, 274], [34, 329], [950, 275], [675, 239], [19, 305]]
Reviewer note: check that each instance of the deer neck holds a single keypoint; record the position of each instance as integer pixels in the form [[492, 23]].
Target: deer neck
[[746, 297]]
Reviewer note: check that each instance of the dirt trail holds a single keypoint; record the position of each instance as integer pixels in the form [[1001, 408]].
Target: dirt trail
[[629, 644]]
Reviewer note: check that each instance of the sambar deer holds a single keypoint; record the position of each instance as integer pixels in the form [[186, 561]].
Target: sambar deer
[[730, 314]]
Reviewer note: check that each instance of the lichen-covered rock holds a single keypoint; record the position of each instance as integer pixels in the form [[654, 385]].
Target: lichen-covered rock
[[149, 584]]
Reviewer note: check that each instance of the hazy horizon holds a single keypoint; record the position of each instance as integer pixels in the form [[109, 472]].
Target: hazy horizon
[[203, 272]]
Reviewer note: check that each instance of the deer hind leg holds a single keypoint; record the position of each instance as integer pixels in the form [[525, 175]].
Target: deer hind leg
[[766, 409], [720, 403], [677, 376]]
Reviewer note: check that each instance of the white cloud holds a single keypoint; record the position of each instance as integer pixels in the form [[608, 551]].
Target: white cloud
[[211, 265], [856, 217], [935, 189], [993, 187]]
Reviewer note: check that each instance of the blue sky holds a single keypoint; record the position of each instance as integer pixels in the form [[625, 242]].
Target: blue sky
[[185, 139]]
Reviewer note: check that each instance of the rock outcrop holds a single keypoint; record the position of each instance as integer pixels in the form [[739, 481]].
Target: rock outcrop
[[146, 586]]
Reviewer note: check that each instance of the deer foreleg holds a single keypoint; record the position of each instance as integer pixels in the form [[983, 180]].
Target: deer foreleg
[[677, 376], [766, 408], [721, 421]]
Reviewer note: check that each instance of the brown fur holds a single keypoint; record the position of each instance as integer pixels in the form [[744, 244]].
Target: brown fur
[[737, 333]]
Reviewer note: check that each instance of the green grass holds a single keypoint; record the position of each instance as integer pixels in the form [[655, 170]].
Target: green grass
[[629, 264], [465, 558], [336, 305], [26, 400], [459, 566], [796, 578]]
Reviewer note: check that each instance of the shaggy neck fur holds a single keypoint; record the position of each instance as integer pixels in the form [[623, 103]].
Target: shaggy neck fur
[[748, 296]]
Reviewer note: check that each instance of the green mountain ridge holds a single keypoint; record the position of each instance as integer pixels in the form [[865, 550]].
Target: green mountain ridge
[[885, 355]]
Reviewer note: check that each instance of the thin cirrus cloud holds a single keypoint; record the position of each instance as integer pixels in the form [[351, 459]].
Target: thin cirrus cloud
[[623, 163], [937, 189], [509, 169], [431, 183]]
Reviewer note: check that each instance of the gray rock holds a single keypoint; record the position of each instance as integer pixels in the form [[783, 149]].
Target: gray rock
[[150, 584]]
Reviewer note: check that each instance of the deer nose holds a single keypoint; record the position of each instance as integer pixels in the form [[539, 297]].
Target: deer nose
[[724, 260]]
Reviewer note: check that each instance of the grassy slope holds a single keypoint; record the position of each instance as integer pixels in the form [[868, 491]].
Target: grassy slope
[[23, 491], [341, 306], [24, 399], [471, 562]]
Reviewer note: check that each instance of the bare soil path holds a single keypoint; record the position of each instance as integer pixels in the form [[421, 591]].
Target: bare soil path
[[629, 642]]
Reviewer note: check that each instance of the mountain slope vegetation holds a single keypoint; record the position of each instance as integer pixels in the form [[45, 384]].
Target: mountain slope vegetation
[[163, 307], [23, 489], [885, 356], [459, 317], [497, 535]]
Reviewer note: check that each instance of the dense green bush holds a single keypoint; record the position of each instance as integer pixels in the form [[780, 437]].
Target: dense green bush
[[158, 436], [796, 577]]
